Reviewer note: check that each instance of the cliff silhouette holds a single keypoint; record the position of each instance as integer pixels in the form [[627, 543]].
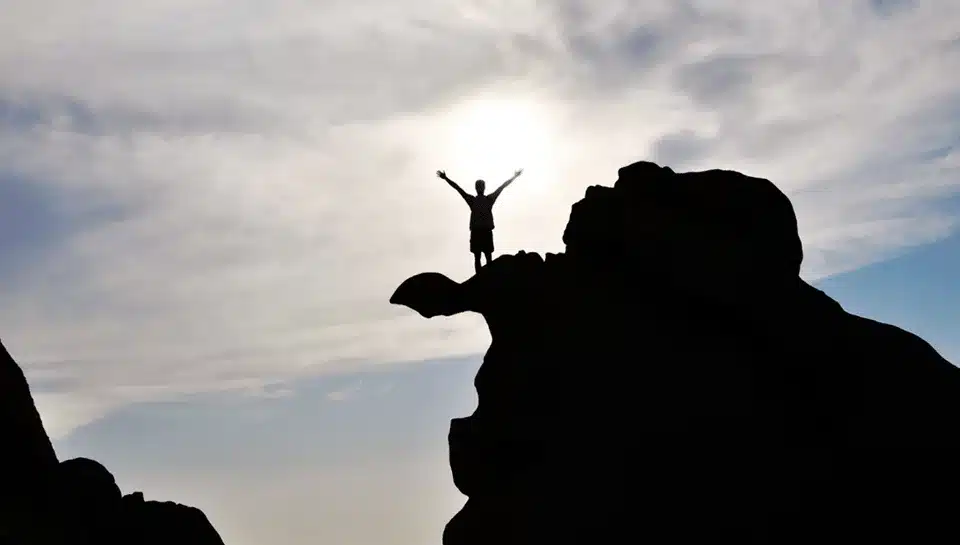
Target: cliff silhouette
[[74, 502], [670, 378]]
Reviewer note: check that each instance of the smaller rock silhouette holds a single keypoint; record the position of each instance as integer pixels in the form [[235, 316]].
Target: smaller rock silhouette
[[77, 501]]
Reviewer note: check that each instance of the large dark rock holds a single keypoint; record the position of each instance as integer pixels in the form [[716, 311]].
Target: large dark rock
[[32, 454], [77, 501], [27, 459], [671, 379]]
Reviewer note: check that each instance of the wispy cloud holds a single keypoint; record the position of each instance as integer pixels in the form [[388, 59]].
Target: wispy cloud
[[223, 195], [345, 393]]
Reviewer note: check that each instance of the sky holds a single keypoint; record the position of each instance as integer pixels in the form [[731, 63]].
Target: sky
[[205, 205]]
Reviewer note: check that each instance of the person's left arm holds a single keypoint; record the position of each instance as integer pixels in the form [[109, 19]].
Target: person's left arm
[[496, 192]]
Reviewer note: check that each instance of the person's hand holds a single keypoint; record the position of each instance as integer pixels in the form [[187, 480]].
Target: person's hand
[[442, 175], [517, 173]]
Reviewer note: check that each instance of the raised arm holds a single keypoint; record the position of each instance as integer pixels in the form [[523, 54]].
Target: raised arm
[[496, 192], [443, 176]]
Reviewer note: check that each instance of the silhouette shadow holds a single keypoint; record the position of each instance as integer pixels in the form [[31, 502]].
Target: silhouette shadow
[[670, 378], [74, 502]]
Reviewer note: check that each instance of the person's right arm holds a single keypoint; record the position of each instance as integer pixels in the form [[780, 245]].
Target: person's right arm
[[443, 176]]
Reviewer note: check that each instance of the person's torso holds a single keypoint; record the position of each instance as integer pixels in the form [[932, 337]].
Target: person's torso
[[481, 212]]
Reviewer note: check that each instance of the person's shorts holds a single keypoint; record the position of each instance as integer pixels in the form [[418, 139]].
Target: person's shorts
[[481, 241]]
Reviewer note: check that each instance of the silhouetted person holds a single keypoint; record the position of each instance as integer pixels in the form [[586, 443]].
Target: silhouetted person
[[481, 215]]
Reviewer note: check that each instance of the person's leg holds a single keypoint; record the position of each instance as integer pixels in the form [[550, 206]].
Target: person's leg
[[475, 249], [488, 246]]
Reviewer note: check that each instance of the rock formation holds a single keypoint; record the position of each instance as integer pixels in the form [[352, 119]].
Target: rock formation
[[27, 462], [77, 501], [669, 378]]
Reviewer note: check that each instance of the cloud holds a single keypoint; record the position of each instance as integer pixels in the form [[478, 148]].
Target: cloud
[[222, 196], [345, 393]]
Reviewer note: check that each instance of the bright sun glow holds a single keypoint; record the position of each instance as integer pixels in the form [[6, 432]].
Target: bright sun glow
[[491, 138]]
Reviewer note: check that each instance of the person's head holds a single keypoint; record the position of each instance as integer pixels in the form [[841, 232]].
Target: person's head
[[481, 187]]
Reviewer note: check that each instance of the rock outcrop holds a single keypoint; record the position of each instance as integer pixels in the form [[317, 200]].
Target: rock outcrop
[[77, 501], [27, 460], [97, 512], [669, 378]]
